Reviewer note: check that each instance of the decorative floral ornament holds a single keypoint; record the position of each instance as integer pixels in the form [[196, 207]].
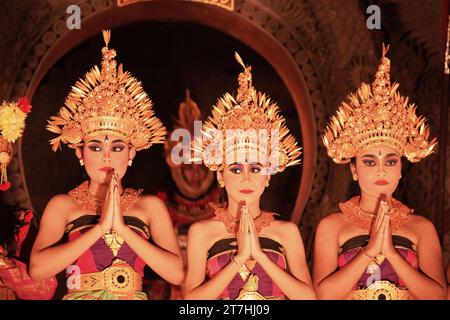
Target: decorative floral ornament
[[12, 124]]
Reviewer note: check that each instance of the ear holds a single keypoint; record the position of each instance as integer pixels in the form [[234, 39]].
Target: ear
[[353, 169], [79, 153], [132, 153]]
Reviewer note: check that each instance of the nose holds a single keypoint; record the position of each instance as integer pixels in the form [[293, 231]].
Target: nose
[[246, 176], [381, 169], [106, 157]]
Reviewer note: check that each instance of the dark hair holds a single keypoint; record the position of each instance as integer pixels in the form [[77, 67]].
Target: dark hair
[[353, 189], [223, 197], [9, 226]]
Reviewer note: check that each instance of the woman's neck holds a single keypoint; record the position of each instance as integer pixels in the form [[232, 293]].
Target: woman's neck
[[370, 203], [234, 208]]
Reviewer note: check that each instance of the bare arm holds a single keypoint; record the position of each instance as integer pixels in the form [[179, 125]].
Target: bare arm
[[429, 282], [164, 257], [48, 260], [295, 284], [329, 281], [448, 282], [196, 287]]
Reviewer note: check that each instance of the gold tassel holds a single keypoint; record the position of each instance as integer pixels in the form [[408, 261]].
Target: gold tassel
[[4, 177]]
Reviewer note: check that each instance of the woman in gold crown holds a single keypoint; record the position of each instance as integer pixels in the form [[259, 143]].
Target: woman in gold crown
[[107, 117], [243, 252], [375, 247]]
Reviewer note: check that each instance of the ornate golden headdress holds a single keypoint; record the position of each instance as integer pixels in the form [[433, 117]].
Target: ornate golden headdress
[[109, 101], [188, 113], [375, 115], [250, 110], [12, 124]]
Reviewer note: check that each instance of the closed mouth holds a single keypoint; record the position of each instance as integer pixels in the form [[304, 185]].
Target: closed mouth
[[246, 191], [381, 182]]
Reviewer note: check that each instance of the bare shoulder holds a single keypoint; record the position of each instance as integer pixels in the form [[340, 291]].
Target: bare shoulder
[[60, 202], [422, 226], [204, 227], [59, 207], [150, 202], [331, 222], [285, 231], [151, 208], [285, 227], [202, 232]]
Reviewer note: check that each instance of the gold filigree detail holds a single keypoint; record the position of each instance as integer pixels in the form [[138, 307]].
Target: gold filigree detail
[[398, 215], [114, 241], [375, 115], [89, 202], [232, 224], [250, 123], [107, 101]]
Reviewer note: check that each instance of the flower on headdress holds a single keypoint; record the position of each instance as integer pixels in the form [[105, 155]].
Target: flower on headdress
[[12, 121], [24, 105], [5, 186]]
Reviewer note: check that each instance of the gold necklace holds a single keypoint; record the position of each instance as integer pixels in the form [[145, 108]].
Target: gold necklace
[[398, 215]]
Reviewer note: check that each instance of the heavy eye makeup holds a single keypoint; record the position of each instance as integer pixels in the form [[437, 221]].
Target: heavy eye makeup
[[368, 162], [392, 161], [94, 146], [118, 147], [238, 168]]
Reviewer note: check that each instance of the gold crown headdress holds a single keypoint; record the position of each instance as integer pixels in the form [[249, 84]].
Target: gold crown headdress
[[249, 110], [376, 115], [107, 101], [188, 113], [12, 124]]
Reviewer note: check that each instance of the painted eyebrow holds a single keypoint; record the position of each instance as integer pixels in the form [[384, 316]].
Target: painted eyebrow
[[392, 155], [118, 141], [372, 156], [94, 141], [369, 156]]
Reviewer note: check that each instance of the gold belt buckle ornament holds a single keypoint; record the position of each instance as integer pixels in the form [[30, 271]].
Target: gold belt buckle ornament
[[380, 290], [384, 290], [119, 277]]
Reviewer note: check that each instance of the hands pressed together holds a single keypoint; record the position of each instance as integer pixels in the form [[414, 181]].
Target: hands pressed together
[[247, 238], [380, 241], [111, 218]]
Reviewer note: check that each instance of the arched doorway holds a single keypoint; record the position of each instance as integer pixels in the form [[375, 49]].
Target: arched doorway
[[231, 23]]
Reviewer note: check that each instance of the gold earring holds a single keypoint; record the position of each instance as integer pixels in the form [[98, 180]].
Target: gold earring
[[130, 163], [81, 162], [221, 183], [355, 177]]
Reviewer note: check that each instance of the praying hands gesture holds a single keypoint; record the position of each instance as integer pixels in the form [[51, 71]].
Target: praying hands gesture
[[243, 239], [111, 217], [247, 231], [380, 241]]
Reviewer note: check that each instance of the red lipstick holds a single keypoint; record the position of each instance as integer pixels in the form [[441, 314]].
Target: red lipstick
[[381, 182], [246, 191], [107, 169]]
